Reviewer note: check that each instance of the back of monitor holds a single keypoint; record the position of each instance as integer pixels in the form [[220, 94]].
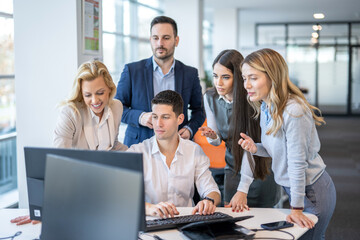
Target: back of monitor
[[84, 200]]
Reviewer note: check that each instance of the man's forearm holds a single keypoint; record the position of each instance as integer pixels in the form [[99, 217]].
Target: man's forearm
[[216, 197]]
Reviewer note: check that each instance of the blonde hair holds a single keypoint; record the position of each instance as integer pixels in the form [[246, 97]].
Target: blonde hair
[[88, 71], [282, 89]]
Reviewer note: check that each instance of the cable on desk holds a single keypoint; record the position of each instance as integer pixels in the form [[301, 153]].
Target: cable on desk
[[257, 230], [13, 236], [156, 237]]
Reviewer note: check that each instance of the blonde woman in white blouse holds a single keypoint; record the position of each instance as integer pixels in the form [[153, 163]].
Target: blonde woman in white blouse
[[90, 117]]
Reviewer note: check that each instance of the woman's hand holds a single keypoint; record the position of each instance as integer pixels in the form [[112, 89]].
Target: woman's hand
[[297, 216], [23, 220], [238, 202], [247, 143], [208, 132]]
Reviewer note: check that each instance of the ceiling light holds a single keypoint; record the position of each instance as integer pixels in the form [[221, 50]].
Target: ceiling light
[[317, 27], [315, 35], [319, 15], [314, 40]]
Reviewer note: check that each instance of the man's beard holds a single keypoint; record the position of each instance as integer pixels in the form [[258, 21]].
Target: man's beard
[[166, 56]]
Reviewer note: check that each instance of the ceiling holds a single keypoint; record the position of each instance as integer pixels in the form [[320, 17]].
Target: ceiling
[[291, 10]]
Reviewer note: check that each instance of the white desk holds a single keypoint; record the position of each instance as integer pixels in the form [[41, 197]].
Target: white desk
[[29, 231], [261, 215]]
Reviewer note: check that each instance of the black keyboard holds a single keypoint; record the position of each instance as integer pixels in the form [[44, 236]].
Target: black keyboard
[[176, 222]]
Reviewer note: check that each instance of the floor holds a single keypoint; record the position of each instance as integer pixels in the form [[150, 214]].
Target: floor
[[340, 149]]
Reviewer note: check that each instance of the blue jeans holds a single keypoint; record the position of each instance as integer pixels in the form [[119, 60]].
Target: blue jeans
[[320, 199]]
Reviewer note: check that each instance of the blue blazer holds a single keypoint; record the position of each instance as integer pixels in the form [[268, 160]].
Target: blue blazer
[[135, 90]]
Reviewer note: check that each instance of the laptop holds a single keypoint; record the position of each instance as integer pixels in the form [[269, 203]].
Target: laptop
[[87, 200]]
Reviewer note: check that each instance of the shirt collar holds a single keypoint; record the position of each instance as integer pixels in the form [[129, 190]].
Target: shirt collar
[[105, 114], [265, 109], [156, 66], [155, 146], [263, 106], [180, 148], [227, 101]]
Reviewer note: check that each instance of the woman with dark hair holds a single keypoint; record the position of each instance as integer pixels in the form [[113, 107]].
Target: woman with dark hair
[[227, 95], [288, 135]]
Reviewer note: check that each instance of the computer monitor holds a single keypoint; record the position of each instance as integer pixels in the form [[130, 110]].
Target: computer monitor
[[35, 159], [87, 200]]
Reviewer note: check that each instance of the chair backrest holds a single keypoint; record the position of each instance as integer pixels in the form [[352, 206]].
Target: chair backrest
[[216, 154]]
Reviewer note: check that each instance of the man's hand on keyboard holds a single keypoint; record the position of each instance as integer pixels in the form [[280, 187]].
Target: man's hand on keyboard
[[162, 209], [204, 207]]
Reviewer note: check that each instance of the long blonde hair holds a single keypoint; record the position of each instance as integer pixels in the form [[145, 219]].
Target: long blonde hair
[[88, 71], [282, 89]]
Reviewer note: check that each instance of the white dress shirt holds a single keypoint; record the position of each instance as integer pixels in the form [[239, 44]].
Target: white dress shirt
[[101, 130], [175, 184]]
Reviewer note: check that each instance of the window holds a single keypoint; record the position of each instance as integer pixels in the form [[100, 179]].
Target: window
[[8, 177], [208, 49], [318, 58], [271, 35], [126, 33]]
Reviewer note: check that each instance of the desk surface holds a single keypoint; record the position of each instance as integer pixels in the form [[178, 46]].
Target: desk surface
[[261, 215]]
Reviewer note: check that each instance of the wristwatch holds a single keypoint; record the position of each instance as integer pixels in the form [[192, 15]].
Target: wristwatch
[[297, 208], [210, 199]]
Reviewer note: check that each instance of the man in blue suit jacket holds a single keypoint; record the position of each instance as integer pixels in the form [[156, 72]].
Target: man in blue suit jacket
[[141, 81]]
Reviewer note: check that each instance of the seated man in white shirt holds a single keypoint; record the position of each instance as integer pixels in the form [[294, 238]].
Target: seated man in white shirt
[[172, 165]]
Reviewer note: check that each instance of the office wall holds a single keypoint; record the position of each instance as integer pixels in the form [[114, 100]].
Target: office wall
[[189, 50], [225, 30], [46, 59]]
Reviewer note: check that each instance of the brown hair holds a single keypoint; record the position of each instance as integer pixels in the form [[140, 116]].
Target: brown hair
[[241, 120], [171, 98]]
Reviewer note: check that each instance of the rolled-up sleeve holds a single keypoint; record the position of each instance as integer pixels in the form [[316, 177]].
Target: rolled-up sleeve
[[204, 181]]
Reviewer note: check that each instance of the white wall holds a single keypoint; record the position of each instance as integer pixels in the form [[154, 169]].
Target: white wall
[[46, 59], [189, 50], [225, 34]]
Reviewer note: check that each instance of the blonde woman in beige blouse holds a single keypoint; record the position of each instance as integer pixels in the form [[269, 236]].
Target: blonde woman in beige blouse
[[90, 118]]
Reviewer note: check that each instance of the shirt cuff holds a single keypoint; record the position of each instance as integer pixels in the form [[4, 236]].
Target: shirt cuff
[[261, 151], [215, 142], [244, 184], [141, 117], [191, 132], [297, 201]]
